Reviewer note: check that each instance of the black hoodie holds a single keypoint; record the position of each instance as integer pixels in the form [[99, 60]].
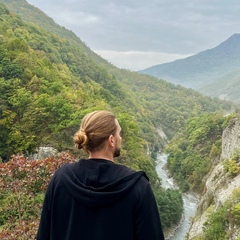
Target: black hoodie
[[96, 199]]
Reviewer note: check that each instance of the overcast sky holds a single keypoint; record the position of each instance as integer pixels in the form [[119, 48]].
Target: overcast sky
[[136, 34]]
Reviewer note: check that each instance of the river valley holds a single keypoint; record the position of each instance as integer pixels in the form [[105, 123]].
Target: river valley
[[190, 201]]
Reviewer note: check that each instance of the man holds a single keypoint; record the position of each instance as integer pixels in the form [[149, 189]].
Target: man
[[96, 199]]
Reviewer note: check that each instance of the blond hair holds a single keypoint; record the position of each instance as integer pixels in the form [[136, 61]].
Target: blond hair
[[95, 128]]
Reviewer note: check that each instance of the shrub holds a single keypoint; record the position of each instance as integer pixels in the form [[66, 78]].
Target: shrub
[[23, 183]]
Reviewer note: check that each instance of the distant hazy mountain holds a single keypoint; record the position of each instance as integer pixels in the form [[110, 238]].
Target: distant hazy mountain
[[215, 72], [226, 87]]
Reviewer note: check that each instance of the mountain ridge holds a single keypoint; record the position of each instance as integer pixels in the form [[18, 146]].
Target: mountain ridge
[[204, 68], [25, 10]]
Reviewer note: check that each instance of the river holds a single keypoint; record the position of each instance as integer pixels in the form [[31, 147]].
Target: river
[[190, 201]]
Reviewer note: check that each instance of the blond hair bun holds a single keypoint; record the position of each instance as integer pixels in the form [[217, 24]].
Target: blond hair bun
[[80, 139]]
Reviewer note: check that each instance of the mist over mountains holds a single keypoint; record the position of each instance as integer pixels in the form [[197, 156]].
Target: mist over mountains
[[214, 72]]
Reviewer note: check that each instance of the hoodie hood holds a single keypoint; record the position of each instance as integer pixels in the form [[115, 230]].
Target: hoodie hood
[[99, 182]]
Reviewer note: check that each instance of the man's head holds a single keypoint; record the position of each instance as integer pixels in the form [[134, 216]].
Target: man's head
[[98, 130]]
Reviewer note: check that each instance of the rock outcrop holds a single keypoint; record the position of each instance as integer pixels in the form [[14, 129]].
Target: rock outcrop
[[43, 152], [219, 185], [230, 139]]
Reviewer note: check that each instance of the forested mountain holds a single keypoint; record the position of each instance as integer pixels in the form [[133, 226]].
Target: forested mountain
[[33, 15], [48, 82], [208, 68]]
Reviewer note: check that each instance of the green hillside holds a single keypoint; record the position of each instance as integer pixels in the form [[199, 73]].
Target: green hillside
[[31, 14], [49, 82], [195, 150], [167, 105]]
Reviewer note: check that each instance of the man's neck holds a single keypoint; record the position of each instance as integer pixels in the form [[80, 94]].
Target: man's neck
[[101, 155]]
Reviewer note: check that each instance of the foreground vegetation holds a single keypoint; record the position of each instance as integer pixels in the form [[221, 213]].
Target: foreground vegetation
[[22, 185]]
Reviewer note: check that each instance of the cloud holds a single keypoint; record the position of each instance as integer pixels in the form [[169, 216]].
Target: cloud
[[161, 26], [135, 61], [69, 18]]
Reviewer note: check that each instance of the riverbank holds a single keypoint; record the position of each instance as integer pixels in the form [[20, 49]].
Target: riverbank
[[190, 201]]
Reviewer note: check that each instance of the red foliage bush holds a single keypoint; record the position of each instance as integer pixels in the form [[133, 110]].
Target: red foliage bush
[[21, 183]]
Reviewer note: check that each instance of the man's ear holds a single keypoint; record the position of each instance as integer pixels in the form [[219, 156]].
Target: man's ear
[[111, 140]]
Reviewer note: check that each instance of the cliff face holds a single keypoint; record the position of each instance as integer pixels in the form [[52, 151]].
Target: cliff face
[[231, 139], [219, 185]]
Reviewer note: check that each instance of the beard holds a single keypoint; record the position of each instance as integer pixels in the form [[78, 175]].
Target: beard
[[116, 152]]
